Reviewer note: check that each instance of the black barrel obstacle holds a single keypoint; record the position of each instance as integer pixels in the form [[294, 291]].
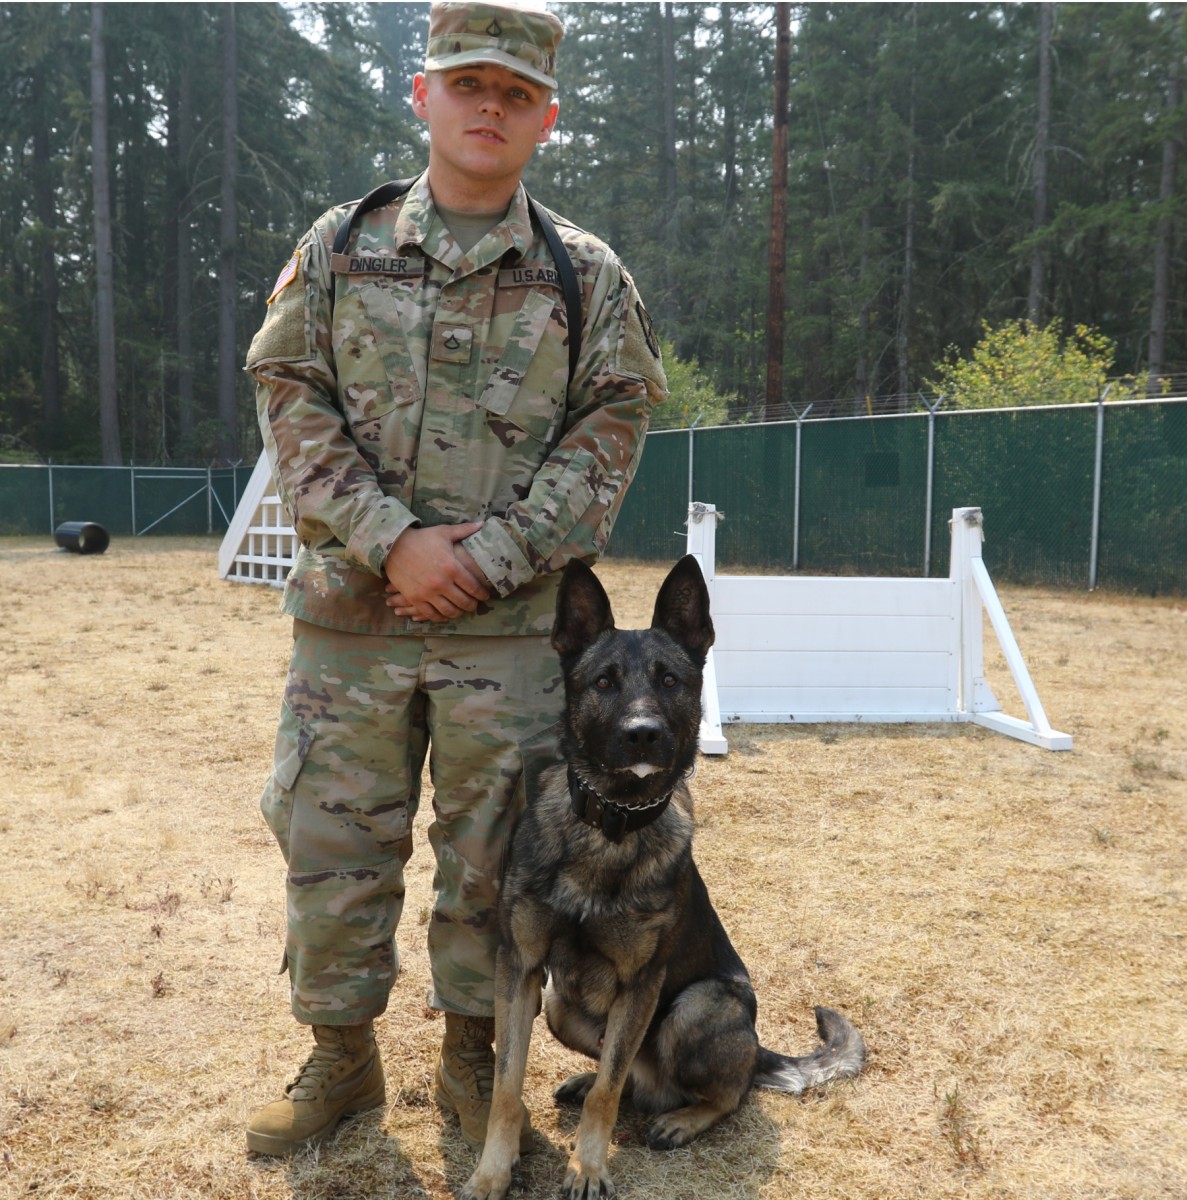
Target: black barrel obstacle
[[83, 537]]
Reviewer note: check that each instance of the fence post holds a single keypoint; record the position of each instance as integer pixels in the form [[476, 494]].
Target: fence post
[[132, 487], [930, 482], [795, 522], [210, 494], [50, 467], [1094, 544], [690, 455]]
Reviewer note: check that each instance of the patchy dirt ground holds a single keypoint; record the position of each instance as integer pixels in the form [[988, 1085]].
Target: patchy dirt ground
[[1005, 924]]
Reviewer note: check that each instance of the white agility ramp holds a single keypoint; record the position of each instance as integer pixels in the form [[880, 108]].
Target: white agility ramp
[[260, 545], [815, 649]]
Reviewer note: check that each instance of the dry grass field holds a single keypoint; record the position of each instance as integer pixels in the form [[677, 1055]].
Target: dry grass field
[[1005, 924]]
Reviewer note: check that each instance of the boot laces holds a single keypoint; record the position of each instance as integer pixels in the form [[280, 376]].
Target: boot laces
[[315, 1074], [476, 1057]]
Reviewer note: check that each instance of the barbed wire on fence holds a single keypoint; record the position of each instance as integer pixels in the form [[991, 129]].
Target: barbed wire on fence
[[753, 410]]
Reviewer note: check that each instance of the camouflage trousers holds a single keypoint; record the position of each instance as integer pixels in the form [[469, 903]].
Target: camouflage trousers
[[359, 715]]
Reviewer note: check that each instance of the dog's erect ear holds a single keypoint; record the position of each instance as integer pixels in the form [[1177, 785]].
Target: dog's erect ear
[[682, 607], [582, 610]]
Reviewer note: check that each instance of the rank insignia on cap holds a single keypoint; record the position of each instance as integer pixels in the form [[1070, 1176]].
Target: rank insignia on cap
[[287, 274]]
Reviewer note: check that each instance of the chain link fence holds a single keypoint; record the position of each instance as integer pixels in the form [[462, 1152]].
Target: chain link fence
[[1077, 495], [124, 500]]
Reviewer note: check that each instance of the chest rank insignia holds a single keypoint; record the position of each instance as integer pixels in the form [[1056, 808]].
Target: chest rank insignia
[[452, 343]]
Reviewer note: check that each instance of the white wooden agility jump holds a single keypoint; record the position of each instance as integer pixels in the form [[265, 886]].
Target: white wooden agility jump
[[800, 649], [260, 545], [809, 650]]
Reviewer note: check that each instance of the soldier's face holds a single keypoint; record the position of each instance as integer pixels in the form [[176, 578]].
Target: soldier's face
[[484, 122]]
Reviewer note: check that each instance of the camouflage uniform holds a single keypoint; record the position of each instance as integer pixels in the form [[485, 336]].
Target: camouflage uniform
[[408, 383]]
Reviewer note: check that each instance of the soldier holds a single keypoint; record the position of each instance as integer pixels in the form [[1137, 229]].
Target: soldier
[[441, 460]]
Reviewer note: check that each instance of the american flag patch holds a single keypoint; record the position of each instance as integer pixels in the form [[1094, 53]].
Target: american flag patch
[[287, 274]]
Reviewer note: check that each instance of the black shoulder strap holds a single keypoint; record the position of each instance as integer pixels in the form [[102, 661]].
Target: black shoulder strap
[[385, 193], [569, 285]]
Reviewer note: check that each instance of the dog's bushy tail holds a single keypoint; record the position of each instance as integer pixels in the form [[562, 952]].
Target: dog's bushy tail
[[841, 1054]]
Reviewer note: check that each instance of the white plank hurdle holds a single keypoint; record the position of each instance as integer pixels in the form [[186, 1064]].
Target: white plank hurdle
[[813, 649], [260, 545]]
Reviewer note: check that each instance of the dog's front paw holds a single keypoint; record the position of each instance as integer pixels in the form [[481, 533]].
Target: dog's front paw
[[661, 1137], [669, 1131], [486, 1184], [581, 1184], [575, 1088]]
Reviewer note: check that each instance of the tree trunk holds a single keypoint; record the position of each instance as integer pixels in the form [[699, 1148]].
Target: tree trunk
[[729, 103], [1038, 263], [228, 359], [46, 214], [174, 189], [109, 412], [902, 339], [777, 269], [1166, 222], [669, 221], [184, 305], [861, 370]]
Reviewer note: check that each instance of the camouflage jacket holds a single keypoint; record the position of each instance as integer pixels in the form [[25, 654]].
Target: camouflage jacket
[[406, 383]]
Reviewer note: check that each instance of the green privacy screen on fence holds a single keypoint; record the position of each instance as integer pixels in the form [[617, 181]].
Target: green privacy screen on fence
[[863, 494], [1032, 479], [1143, 527], [658, 498], [1077, 495], [124, 500]]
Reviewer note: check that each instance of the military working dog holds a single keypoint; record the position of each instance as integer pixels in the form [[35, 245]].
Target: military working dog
[[601, 897]]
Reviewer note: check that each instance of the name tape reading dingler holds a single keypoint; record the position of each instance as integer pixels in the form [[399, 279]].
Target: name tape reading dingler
[[376, 264]]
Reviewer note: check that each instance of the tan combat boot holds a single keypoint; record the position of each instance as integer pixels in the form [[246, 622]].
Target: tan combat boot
[[466, 1078], [342, 1076]]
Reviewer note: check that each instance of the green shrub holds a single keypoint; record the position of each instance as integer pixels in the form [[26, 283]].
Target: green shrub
[[1019, 364]]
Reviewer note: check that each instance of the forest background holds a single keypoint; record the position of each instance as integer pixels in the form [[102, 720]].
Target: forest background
[[950, 166]]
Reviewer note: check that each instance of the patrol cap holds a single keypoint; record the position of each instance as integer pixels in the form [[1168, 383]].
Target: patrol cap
[[522, 38]]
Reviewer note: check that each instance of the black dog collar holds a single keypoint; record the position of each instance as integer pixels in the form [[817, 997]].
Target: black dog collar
[[614, 820]]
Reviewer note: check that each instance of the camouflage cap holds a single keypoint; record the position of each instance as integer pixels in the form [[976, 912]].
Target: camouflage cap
[[519, 37]]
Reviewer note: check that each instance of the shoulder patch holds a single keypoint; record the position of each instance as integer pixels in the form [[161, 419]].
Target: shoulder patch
[[287, 274], [638, 347], [646, 328], [285, 333]]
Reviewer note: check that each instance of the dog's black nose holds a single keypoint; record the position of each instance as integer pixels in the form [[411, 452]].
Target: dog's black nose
[[642, 732]]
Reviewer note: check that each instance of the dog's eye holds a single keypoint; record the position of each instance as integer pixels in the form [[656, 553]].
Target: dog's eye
[[669, 680], [602, 683]]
